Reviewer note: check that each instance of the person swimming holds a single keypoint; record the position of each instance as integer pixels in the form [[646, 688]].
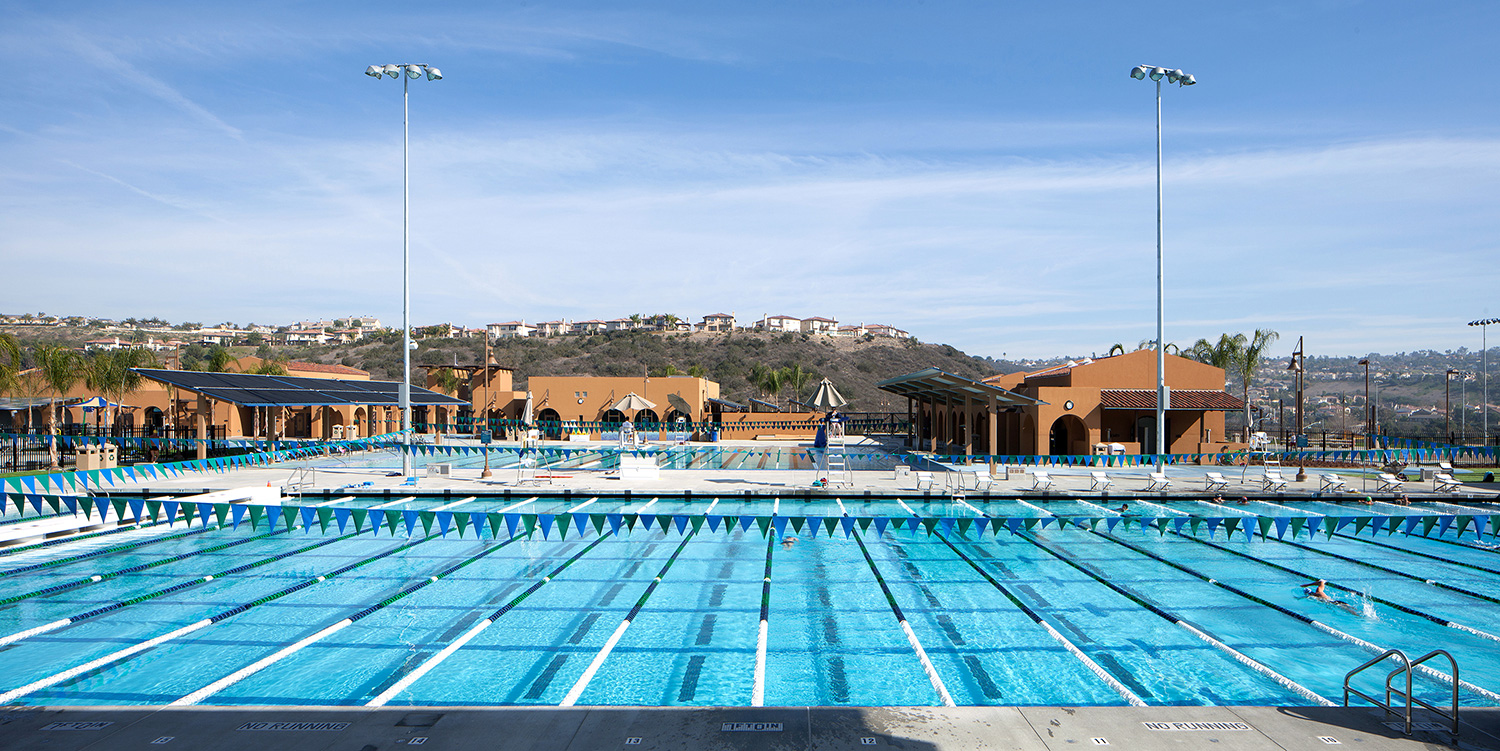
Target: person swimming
[[1124, 507], [1319, 592], [788, 541]]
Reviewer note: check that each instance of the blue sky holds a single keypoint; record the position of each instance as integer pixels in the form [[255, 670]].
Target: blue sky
[[981, 174]]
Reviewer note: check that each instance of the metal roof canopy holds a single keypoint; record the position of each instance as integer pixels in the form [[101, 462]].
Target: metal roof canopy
[[932, 384], [248, 390]]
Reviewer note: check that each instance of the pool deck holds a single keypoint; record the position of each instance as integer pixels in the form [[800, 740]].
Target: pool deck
[[1075, 482], [733, 728]]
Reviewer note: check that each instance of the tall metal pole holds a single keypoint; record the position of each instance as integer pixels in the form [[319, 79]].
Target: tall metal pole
[[1447, 407], [1485, 379], [1161, 352], [405, 275]]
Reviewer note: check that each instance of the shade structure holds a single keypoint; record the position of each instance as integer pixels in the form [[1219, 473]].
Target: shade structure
[[680, 404], [97, 402], [633, 403], [249, 390], [526, 412], [828, 397]]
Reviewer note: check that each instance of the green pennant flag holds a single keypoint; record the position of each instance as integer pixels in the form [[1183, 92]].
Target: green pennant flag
[[426, 518], [56, 504], [729, 524], [497, 523], [1030, 523], [864, 523], [359, 516], [630, 520], [1161, 527], [529, 522], [598, 521], [88, 508], [256, 512], [462, 522], [1360, 522], [1463, 524], [188, 510], [221, 511], [289, 516], [153, 509], [1094, 522], [964, 522], [930, 524], [797, 522], [1265, 523], [325, 515], [696, 522], [764, 522], [1193, 523], [119, 504], [1329, 524], [562, 525], [830, 523], [1428, 522], [1230, 525], [393, 521]]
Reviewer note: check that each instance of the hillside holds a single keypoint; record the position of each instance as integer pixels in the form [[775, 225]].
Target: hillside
[[853, 365]]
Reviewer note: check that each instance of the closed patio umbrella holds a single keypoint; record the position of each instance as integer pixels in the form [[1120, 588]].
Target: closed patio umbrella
[[828, 397], [526, 416]]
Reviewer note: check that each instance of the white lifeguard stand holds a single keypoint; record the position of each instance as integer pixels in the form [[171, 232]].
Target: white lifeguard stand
[[833, 464], [528, 463]]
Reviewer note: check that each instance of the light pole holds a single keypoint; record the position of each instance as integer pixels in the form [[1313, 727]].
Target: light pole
[[433, 74], [1156, 73], [1484, 373], [1447, 407], [1366, 362]]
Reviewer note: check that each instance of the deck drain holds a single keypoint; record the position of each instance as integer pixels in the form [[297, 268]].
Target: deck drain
[[1100, 741], [1330, 740]]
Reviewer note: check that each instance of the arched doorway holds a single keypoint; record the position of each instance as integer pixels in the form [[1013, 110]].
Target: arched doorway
[[612, 417], [156, 420], [1066, 436], [647, 417], [550, 423], [675, 414]]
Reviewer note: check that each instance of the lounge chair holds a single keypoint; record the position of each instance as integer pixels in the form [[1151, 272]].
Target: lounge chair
[[1041, 480], [1332, 483], [1159, 481], [982, 479], [1272, 480], [1443, 482], [1100, 481], [1389, 482], [1215, 481], [1446, 468], [925, 481]]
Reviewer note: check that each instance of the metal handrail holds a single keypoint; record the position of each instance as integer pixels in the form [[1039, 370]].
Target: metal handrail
[[1407, 665]]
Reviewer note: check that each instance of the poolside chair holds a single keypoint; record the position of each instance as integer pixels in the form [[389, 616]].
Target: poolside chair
[[410, 482], [1215, 481], [1272, 480], [982, 479], [1446, 468], [925, 481], [1041, 480], [1443, 482], [1389, 482], [1100, 481], [1332, 483], [1159, 481]]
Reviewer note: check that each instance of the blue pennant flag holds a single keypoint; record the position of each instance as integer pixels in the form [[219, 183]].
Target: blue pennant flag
[[1178, 523], [444, 518], [309, 518], [377, 520], [1444, 522], [101, 504], [880, 523], [137, 507], [478, 519], [778, 523], [512, 521], [545, 520], [237, 514], [205, 510], [341, 515], [848, 524], [1213, 526], [615, 522], [713, 522], [1281, 524], [410, 517]]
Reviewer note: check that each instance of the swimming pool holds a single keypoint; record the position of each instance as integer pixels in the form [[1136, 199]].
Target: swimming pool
[[855, 612]]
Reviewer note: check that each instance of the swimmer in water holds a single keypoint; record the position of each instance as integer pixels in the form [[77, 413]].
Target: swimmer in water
[[788, 541], [1320, 593], [1124, 507]]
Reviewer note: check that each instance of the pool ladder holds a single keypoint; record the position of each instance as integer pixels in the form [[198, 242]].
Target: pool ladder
[[1406, 668]]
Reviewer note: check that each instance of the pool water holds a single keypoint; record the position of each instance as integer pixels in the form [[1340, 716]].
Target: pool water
[[982, 609]]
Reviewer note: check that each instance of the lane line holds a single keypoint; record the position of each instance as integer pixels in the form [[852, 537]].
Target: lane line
[[911, 636]]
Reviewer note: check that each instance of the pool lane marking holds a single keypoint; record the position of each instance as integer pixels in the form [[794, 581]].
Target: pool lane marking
[[1403, 574], [345, 499], [132, 569], [583, 505], [642, 509], [130, 651], [407, 680], [758, 690], [845, 511], [1088, 662], [1237, 655], [710, 508], [407, 499], [1373, 648], [518, 504], [911, 636], [1400, 549], [121, 526], [776, 507], [1388, 603], [259, 665], [609, 646], [53, 626], [456, 504], [1093, 667]]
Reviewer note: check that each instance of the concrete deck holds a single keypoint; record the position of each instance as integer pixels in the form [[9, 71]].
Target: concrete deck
[[731, 729]]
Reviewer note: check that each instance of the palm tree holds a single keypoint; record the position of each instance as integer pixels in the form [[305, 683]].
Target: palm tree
[[10, 363], [219, 360], [1116, 348], [448, 381], [273, 366], [796, 379], [1170, 348], [60, 369], [110, 372], [1250, 359], [1224, 355]]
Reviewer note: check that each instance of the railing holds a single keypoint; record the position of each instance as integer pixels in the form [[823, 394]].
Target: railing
[[1407, 666]]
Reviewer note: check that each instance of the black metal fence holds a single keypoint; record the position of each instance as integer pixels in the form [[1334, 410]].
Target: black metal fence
[[29, 450]]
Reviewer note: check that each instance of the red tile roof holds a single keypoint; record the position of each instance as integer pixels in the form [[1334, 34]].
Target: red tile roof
[[1180, 399]]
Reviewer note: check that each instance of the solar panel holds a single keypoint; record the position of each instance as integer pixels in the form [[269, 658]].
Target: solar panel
[[292, 391]]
